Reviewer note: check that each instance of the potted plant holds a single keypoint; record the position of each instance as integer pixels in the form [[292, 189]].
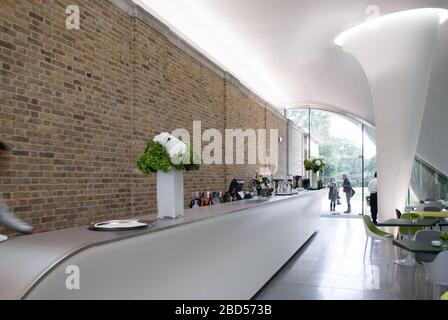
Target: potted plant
[[316, 166], [262, 182], [168, 157], [414, 217], [444, 238]]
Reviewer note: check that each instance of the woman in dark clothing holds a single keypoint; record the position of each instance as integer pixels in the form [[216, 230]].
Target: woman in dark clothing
[[347, 188], [333, 193]]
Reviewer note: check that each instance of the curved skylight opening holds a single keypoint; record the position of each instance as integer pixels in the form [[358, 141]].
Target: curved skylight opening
[[378, 22]]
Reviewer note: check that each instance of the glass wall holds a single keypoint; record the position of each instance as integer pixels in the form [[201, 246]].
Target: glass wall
[[427, 184], [346, 147], [349, 147], [301, 118]]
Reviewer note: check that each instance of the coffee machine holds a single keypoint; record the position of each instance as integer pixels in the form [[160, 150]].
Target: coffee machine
[[306, 183], [297, 182], [236, 189]]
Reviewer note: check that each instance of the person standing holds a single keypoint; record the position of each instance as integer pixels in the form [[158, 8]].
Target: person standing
[[348, 190], [6, 217], [373, 189], [333, 193]]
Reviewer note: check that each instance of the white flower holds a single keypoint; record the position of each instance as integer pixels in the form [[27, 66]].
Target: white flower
[[264, 171], [163, 138], [318, 163], [175, 147], [172, 145]]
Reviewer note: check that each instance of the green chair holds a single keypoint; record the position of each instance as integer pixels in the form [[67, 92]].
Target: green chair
[[373, 232], [409, 231], [445, 296]]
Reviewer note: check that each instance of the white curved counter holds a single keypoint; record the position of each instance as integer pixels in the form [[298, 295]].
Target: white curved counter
[[227, 251]]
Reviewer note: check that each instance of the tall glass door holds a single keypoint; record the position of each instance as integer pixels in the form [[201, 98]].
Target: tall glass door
[[347, 147], [340, 146]]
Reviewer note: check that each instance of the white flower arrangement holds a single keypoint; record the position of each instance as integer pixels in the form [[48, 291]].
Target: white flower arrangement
[[165, 152], [173, 146], [316, 165], [264, 171]]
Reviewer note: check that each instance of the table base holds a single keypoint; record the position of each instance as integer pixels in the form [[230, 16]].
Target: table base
[[408, 261]]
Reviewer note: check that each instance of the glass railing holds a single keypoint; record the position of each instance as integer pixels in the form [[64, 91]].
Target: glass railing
[[427, 184]]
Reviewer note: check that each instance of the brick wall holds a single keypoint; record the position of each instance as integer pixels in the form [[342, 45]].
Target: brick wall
[[276, 121], [242, 113], [77, 107]]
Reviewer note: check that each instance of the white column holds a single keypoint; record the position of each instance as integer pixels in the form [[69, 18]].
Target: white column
[[396, 53]]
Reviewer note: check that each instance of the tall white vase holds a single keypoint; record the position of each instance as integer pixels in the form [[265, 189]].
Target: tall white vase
[[314, 179], [170, 194]]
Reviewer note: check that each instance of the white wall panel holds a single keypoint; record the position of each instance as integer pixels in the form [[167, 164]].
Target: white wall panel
[[396, 52]]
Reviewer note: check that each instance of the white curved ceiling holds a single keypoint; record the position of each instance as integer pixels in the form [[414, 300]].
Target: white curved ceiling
[[284, 49]]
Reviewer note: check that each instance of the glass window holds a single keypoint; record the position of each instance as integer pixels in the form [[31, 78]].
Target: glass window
[[339, 141], [427, 184], [300, 117], [346, 146]]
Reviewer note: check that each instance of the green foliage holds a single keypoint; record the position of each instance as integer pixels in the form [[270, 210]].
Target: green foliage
[[444, 236], [320, 121], [413, 215], [260, 181], [317, 165], [156, 158], [187, 162], [309, 165]]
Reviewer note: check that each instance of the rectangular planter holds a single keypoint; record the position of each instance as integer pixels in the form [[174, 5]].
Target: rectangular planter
[[170, 194]]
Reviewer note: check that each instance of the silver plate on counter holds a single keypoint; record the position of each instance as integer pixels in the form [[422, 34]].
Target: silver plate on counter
[[116, 225]]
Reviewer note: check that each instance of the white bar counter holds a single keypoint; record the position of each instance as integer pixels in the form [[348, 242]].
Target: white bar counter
[[227, 251]]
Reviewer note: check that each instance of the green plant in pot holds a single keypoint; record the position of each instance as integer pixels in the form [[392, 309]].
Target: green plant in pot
[[157, 157], [414, 217], [168, 157], [444, 238], [315, 165]]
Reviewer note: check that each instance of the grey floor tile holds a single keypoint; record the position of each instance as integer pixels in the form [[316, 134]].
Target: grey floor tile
[[294, 276], [349, 282], [378, 295], [321, 279], [345, 294], [286, 291], [332, 266]]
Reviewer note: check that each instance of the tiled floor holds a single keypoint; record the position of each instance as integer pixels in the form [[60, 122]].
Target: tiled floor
[[331, 266]]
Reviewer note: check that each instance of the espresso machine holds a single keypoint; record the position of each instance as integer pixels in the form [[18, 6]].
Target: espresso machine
[[297, 182]]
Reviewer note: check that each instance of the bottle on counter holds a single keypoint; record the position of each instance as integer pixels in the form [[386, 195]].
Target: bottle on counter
[[227, 197], [205, 199], [195, 201], [210, 198], [215, 198], [199, 199], [192, 200]]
